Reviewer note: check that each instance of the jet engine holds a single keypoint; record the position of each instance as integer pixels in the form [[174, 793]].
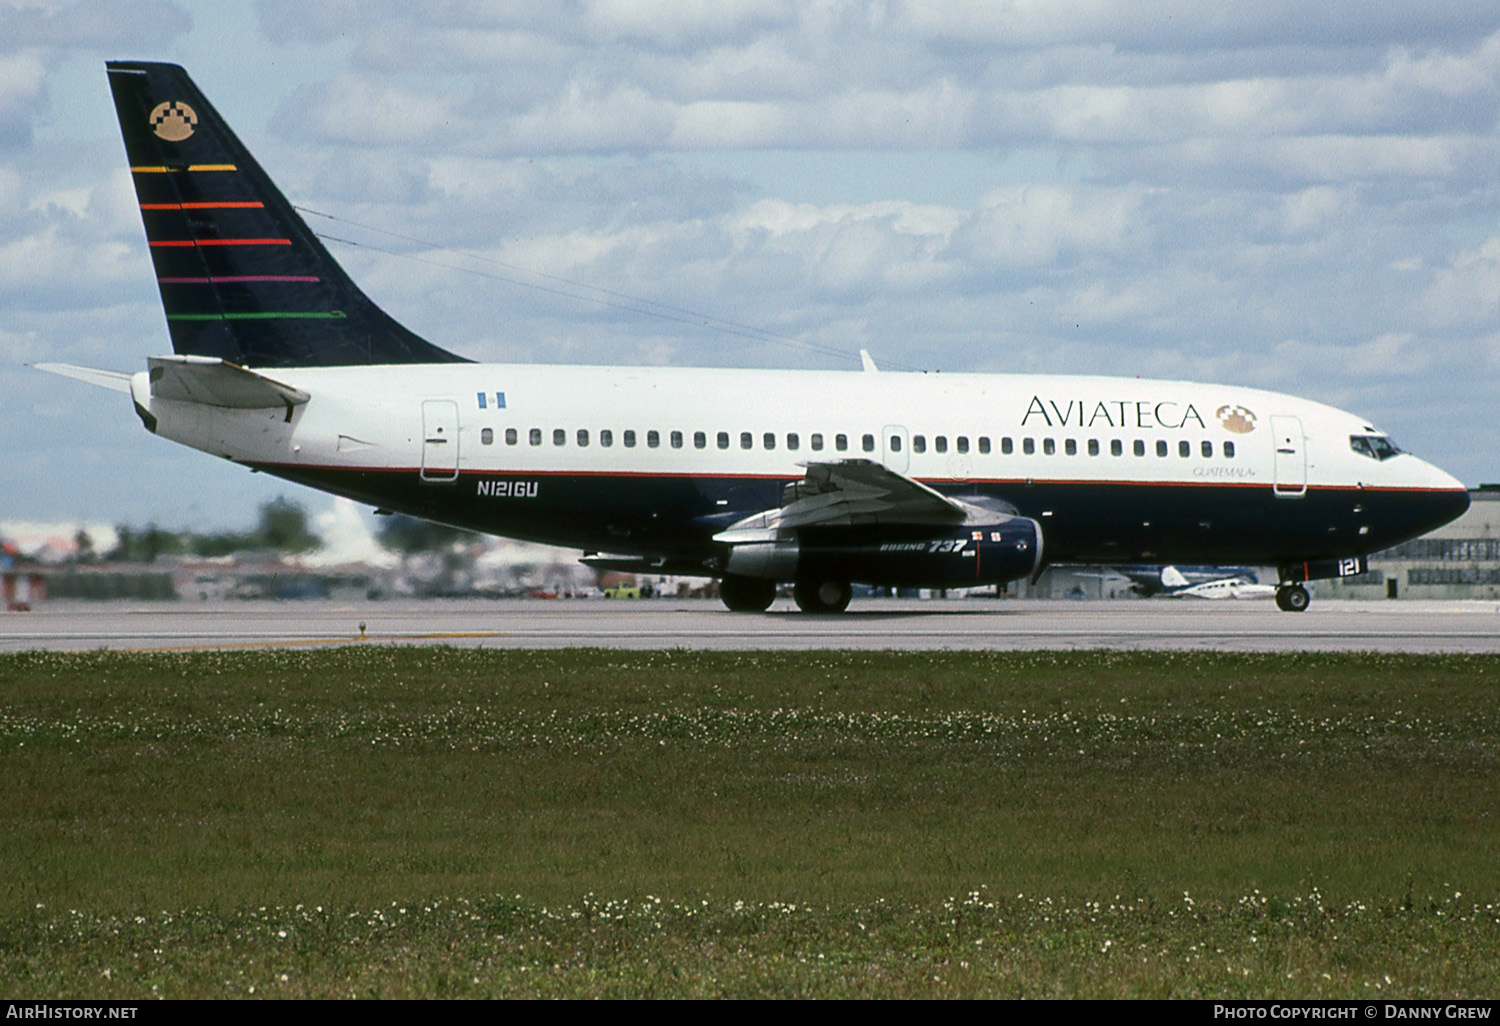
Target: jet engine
[[915, 557]]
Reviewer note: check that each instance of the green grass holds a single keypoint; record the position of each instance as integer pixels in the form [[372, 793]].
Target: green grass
[[891, 824]]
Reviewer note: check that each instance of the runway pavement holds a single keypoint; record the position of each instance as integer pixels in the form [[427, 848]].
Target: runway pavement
[[704, 624]]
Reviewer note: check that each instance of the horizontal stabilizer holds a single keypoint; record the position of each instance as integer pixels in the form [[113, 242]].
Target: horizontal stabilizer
[[214, 382], [104, 379]]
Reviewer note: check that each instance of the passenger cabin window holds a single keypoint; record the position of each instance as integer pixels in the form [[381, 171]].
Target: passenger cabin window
[[653, 439], [841, 442], [792, 441], [1049, 447], [918, 443], [961, 443], [535, 436], [1184, 449], [676, 437], [867, 442], [1071, 447], [510, 436], [1093, 446], [984, 445], [722, 439], [816, 441], [1377, 447], [559, 436], [1207, 449], [583, 438], [1116, 448], [747, 440], [895, 443], [1140, 447], [1006, 447], [487, 436], [940, 443], [1161, 447], [628, 437], [769, 439], [1229, 450], [1028, 446], [606, 437], [700, 440]]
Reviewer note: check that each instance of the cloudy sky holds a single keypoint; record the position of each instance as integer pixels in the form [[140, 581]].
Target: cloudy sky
[[1295, 196]]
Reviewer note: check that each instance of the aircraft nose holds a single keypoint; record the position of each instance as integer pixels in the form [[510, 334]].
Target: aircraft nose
[[1453, 504], [1446, 498], [1442, 479]]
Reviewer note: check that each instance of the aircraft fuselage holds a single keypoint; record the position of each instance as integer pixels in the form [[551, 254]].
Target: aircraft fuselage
[[657, 460]]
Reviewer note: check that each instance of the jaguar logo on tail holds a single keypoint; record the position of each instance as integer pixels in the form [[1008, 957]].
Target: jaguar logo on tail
[[173, 121]]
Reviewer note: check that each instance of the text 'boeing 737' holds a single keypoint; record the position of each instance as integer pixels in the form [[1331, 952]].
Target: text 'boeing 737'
[[756, 478]]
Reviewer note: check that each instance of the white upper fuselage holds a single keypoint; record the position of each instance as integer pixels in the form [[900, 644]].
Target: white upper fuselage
[[1010, 427]]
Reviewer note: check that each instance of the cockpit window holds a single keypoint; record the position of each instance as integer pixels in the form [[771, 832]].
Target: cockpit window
[[1377, 447]]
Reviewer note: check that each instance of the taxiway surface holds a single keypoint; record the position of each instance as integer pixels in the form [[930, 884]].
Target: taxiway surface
[[704, 624]]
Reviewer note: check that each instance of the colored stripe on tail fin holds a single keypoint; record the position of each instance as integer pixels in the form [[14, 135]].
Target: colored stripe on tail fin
[[242, 277]]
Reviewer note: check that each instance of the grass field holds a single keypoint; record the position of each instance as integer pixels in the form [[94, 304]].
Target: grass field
[[434, 822]]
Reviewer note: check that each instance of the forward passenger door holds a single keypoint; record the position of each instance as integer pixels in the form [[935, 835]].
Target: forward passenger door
[[1291, 457]]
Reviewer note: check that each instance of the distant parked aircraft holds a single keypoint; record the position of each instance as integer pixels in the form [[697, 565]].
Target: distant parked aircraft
[[1174, 584]]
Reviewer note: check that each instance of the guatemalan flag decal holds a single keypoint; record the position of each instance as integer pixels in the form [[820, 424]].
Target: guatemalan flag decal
[[489, 399]]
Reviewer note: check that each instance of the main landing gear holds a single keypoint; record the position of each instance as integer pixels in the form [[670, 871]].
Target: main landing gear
[[813, 595], [746, 594], [1292, 598], [822, 596]]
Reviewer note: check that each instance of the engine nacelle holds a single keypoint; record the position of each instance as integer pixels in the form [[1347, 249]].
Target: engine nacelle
[[916, 557]]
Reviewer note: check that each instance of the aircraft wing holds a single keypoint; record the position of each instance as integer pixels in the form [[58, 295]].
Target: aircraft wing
[[849, 492]]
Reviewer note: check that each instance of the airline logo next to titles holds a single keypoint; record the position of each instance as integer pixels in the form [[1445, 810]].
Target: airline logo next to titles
[[1135, 413]]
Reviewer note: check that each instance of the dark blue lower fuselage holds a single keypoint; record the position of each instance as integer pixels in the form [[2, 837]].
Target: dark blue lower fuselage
[[1082, 522]]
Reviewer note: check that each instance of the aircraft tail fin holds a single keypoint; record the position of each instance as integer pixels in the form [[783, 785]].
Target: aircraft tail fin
[[1171, 577], [242, 277]]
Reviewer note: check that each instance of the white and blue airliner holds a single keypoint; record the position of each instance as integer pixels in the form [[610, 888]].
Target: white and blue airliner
[[756, 478]]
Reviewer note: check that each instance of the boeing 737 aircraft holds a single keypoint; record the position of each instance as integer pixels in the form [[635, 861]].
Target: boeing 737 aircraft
[[753, 477]]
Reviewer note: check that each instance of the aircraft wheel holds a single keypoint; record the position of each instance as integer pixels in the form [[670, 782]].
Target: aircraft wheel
[[1292, 598], [822, 596], [746, 594]]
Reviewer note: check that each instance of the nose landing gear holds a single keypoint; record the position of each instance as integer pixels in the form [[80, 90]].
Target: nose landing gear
[[1292, 598]]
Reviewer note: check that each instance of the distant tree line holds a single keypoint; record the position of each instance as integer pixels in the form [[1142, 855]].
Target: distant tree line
[[282, 528], [409, 535]]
